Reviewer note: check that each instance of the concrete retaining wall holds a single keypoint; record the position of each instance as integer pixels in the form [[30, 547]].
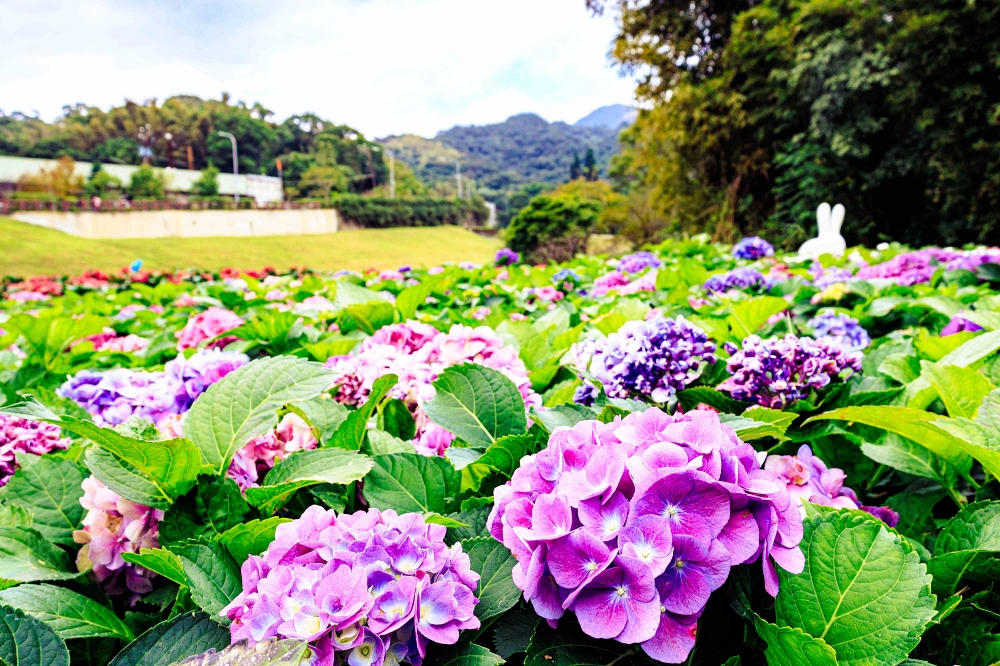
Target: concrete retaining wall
[[186, 223]]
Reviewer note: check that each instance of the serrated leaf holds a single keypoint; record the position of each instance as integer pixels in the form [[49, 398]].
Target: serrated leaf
[[160, 560], [381, 443], [272, 652], [692, 397], [307, 468], [71, 615], [213, 576], [961, 390], [396, 420], [124, 479], [324, 414], [351, 433], [788, 646], [244, 404], [748, 316], [50, 488], [863, 591], [504, 455], [907, 456], [513, 632], [470, 654], [967, 545], [496, 592], [25, 641], [12, 515], [411, 298], [369, 317], [568, 646], [407, 482], [563, 416], [474, 521], [251, 538], [27, 556], [749, 429], [920, 390], [477, 404], [181, 637]]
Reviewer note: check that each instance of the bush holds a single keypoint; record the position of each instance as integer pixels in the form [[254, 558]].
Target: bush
[[382, 213], [100, 183], [61, 180], [146, 184], [553, 226], [208, 184]]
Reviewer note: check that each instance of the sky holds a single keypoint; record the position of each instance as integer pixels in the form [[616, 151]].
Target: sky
[[381, 66]]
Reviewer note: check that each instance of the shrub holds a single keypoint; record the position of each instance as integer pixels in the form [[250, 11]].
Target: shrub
[[208, 184], [553, 226], [146, 184]]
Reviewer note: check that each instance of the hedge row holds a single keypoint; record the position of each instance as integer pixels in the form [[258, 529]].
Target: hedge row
[[382, 212]]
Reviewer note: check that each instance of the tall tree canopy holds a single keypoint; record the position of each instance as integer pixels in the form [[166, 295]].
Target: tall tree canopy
[[758, 110]]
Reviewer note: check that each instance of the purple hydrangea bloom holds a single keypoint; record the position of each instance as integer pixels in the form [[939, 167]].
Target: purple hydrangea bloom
[[638, 261], [362, 588], [506, 257], [824, 277], [807, 478], [633, 524], [776, 372], [586, 394], [957, 324], [752, 248], [906, 269], [840, 329], [114, 396], [740, 279], [654, 358]]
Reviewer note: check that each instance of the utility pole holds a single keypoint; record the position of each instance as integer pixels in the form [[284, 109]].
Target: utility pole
[[236, 167], [458, 178]]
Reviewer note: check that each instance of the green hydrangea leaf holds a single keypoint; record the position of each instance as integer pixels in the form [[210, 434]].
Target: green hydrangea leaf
[[477, 404], [25, 641], [183, 636], [71, 615]]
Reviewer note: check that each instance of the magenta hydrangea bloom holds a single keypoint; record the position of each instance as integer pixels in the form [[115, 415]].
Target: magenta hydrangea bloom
[[776, 372], [808, 479], [957, 324], [253, 460], [19, 435], [362, 588], [206, 325], [633, 524], [113, 526], [417, 353]]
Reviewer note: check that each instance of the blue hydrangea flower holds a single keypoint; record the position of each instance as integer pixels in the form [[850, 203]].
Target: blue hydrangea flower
[[654, 358], [566, 275], [739, 278], [633, 263], [752, 248], [840, 329]]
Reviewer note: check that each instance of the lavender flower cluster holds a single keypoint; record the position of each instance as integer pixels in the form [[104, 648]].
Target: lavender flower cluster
[[506, 257], [741, 279], [114, 396], [824, 277], [19, 435], [776, 372], [840, 329], [370, 588], [654, 358], [634, 523], [753, 248], [638, 261], [808, 479]]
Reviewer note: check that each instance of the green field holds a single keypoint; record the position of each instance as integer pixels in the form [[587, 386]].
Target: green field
[[30, 250]]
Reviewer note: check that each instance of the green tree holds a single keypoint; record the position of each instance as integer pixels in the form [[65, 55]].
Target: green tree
[[553, 227], [101, 182], [207, 184], [575, 168], [589, 165], [146, 184]]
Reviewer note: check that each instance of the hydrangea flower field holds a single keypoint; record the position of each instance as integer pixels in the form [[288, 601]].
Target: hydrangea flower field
[[693, 454]]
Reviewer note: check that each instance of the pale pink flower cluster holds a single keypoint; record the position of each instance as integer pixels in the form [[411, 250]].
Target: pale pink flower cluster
[[417, 353], [205, 326], [646, 283], [262, 453], [19, 435], [113, 526], [126, 343]]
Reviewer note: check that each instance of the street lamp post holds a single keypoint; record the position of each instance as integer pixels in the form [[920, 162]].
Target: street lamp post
[[236, 168]]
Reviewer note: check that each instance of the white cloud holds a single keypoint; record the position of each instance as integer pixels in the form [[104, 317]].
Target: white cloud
[[384, 66]]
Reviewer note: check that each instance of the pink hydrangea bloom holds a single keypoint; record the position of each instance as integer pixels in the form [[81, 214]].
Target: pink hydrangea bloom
[[634, 523], [260, 454], [19, 435], [607, 282], [126, 343], [114, 525], [363, 586], [24, 296], [645, 283], [417, 353], [548, 293], [316, 303], [206, 325]]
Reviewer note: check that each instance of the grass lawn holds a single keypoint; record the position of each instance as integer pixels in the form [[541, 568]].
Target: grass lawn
[[26, 249]]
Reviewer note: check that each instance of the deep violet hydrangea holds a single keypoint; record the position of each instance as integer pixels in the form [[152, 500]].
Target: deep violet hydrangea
[[506, 257], [361, 588], [776, 372], [752, 248], [841, 329], [416, 353], [114, 396], [114, 525], [957, 324], [634, 523], [19, 435], [740, 279], [807, 478], [654, 358], [638, 261]]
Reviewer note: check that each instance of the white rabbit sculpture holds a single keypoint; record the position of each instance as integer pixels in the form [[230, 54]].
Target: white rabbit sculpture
[[829, 240]]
